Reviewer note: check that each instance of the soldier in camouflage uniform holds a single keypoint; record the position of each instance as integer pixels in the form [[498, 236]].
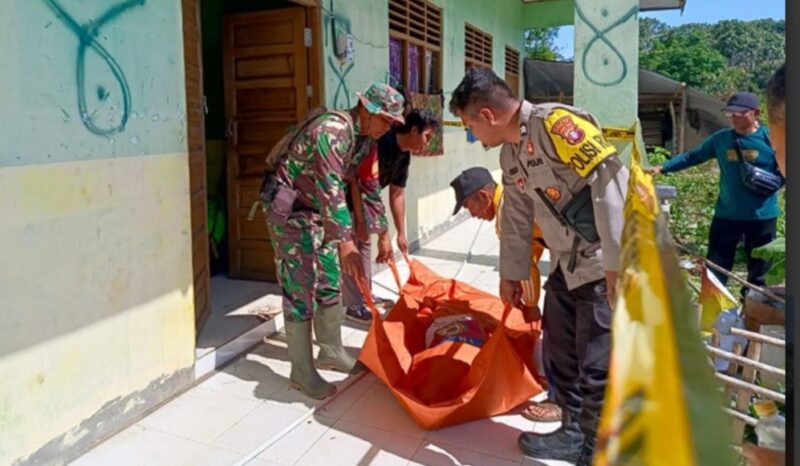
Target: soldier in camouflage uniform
[[310, 227]]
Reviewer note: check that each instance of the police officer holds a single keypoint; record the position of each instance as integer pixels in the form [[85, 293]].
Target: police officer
[[311, 228], [558, 169]]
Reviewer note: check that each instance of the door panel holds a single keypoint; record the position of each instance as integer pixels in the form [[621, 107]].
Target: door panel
[[195, 121], [266, 74]]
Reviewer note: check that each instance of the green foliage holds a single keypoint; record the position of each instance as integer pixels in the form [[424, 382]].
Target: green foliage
[[691, 213], [540, 44], [774, 252], [715, 58]]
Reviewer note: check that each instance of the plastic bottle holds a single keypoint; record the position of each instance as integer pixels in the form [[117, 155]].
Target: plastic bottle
[[771, 426]]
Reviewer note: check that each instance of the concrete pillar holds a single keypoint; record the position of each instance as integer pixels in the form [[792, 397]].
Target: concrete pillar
[[607, 61]]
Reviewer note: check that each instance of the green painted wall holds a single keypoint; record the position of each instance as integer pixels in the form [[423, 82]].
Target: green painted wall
[[132, 100], [428, 195], [96, 289], [550, 13], [607, 63]]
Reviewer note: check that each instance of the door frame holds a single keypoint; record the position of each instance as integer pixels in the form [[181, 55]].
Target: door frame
[[316, 77]]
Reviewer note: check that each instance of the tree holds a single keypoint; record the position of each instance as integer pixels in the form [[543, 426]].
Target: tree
[[715, 58], [650, 31], [540, 44], [685, 57]]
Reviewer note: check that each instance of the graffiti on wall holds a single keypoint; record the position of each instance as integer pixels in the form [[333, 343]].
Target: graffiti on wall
[[605, 75], [337, 27], [87, 36]]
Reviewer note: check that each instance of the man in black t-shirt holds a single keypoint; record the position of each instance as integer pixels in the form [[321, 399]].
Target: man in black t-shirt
[[394, 158]]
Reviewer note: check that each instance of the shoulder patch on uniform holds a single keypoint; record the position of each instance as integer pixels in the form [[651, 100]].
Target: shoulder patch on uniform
[[578, 143]]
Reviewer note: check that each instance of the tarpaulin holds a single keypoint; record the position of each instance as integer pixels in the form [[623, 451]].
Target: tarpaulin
[[451, 382]]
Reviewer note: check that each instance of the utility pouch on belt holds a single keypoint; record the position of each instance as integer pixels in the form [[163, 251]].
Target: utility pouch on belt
[[281, 205], [578, 216]]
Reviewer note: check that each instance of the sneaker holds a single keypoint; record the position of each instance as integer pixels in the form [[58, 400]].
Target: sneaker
[[359, 314], [565, 444], [383, 302]]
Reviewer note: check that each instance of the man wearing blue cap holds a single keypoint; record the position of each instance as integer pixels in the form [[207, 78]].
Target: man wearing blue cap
[[743, 212]]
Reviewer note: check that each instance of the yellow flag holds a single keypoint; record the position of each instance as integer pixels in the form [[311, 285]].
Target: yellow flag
[[661, 406], [714, 298]]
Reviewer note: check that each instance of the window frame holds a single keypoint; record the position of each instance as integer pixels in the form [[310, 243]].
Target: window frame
[[512, 68], [478, 47], [418, 23]]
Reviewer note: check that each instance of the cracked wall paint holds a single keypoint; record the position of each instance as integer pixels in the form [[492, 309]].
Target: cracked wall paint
[[97, 291], [96, 277]]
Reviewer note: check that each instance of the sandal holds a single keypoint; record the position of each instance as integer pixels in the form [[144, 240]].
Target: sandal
[[546, 411]]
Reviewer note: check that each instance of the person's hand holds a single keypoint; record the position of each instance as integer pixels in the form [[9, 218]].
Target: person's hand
[[511, 292], [654, 170], [759, 456], [611, 288], [384, 248], [402, 243], [351, 259]]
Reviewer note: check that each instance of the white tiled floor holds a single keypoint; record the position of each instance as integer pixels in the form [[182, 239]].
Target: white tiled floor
[[233, 412], [236, 307]]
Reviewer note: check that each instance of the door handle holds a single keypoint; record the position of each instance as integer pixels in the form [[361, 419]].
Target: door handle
[[230, 131]]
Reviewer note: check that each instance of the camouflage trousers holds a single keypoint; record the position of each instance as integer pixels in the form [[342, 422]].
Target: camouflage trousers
[[307, 265]]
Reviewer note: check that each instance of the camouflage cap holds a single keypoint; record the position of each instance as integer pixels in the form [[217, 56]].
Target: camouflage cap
[[383, 99]]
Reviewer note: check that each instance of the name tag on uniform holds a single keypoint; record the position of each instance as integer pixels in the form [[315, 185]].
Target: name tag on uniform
[[578, 142]]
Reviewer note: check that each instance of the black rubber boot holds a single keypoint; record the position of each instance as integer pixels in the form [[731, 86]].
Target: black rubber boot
[[565, 444], [587, 454]]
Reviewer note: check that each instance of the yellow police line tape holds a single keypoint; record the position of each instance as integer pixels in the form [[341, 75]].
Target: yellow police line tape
[[661, 404], [624, 134], [456, 124]]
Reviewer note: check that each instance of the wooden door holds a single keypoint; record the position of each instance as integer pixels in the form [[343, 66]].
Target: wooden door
[[195, 121], [266, 78]]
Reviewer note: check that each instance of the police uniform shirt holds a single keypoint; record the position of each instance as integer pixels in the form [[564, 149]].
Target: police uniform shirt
[[561, 150]]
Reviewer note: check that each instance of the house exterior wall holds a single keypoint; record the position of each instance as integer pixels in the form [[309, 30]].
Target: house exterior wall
[[96, 299], [607, 62], [96, 312], [429, 198]]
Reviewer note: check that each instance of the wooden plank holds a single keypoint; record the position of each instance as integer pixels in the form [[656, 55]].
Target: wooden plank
[[744, 418], [763, 392], [195, 122], [760, 338]]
